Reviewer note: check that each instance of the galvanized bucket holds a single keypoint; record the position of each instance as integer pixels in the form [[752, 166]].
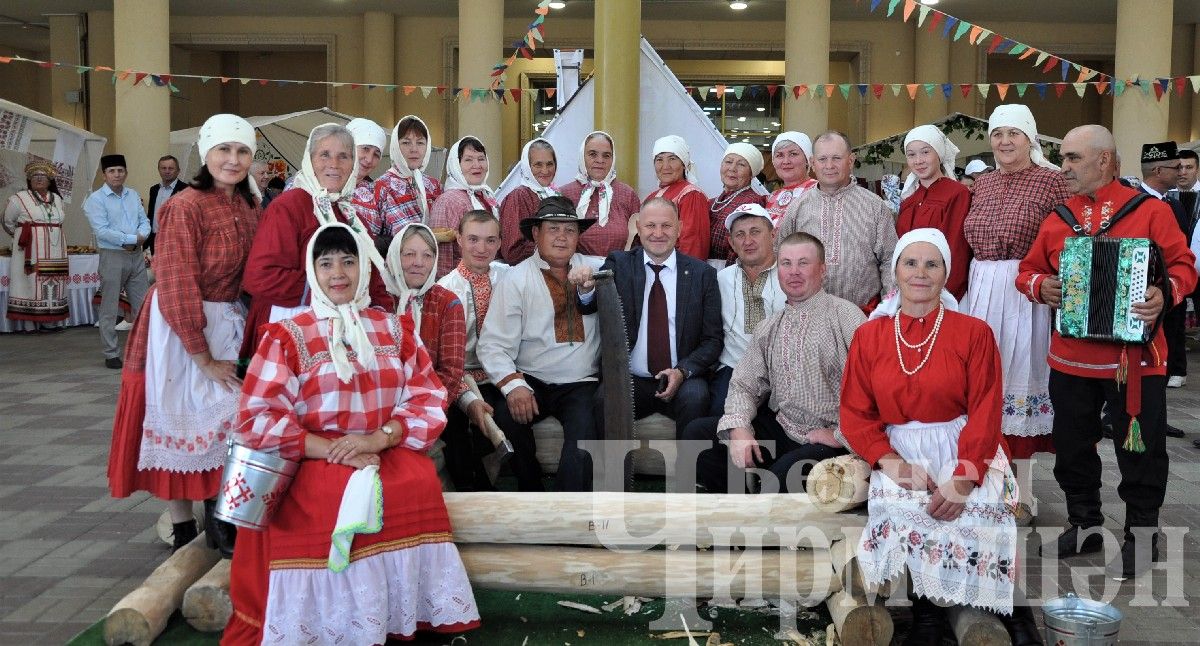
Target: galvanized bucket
[[252, 485], [1071, 621]]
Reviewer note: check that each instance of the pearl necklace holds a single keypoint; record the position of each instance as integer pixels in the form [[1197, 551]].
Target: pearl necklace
[[719, 204], [929, 340]]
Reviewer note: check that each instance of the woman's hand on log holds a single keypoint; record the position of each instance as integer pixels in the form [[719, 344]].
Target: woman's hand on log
[[950, 498]]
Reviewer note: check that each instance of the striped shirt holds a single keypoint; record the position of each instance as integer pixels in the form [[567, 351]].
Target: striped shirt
[[859, 234]]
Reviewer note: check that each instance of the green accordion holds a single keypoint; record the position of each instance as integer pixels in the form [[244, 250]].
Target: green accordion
[[1102, 278]]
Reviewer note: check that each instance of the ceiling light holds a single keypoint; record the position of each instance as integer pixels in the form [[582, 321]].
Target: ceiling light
[[761, 109], [547, 108], [737, 5], [558, 4], [775, 123], [741, 118], [929, 2]]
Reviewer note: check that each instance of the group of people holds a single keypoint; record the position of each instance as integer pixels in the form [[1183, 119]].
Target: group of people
[[389, 317]]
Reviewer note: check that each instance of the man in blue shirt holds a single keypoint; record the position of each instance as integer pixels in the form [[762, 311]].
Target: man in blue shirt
[[121, 227]]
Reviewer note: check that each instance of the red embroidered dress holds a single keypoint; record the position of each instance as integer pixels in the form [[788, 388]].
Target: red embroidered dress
[[694, 229], [406, 577], [942, 206], [601, 240], [203, 240]]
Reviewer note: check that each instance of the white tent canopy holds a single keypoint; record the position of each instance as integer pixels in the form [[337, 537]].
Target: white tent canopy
[[665, 109], [281, 139], [26, 134], [968, 147]]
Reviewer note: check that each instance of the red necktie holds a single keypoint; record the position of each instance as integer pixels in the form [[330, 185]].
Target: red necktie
[[658, 336]]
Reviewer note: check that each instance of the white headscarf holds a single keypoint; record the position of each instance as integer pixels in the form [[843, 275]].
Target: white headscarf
[[323, 201], [891, 305], [590, 185], [456, 180], [409, 298], [946, 151], [228, 128], [400, 165], [798, 138], [1015, 115], [748, 153], [367, 133], [675, 145], [525, 171], [348, 328]]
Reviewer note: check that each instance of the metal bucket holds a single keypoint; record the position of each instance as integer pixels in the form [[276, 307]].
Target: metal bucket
[[252, 485], [1071, 621]]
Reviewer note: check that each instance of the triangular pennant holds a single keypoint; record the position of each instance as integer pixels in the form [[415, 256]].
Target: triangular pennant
[[1195, 83], [975, 31], [1158, 91], [1080, 88], [877, 90], [80, 69], [772, 89], [1063, 65], [454, 91], [409, 89], [244, 81], [1179, 85], [755, 90], [896, 87], [862, 90], [1059, 88], [441, 89], [983, 89], [965, 88], [121, 76], [963, 27], [703, 90], [1101, 87], [929, 87], [1042, 56], [951, 21], [829, 88], [922, 15], [174, 90], [1076, 67], [355, 86], [516, 94], [1021, 87], [137, 78], [1020, 48], [1118, 88], [550, 92], [937, 19], [845, 89], [912, 90], [996, 40], [205, 79], [224, 79], [99, 68], [799, 90], [539, 20], [6, 59], [947, 88], [1144, 85], [892, 4], [265, 81], [370, 86], [1041, 88], [875, 5], [983, 35], [390, 88], [500, 96], [739, 90], [720, 90], [909, 5], [425, 90], [1050, 64], [1002, 90], [541, 11]]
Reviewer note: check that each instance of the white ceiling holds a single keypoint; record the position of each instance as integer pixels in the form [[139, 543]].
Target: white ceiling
[[36, 36]]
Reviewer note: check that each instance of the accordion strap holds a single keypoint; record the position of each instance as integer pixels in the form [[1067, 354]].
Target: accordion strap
[[1069, 217]]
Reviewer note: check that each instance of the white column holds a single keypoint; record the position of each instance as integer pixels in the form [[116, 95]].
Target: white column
[[142, 32], [1144, 51], [806, 60]]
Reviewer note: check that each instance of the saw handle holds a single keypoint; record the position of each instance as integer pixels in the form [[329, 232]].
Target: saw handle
[[490, 430]]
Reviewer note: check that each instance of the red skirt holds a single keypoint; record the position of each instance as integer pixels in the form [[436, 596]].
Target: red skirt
[[124, 477], [1023, 448], [293, 552]]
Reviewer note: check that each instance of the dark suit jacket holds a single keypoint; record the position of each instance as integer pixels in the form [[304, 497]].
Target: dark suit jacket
[[153, 193], [699, 335]]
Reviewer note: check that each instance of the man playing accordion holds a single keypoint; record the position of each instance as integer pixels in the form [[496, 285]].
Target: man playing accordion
[[1086, 374]]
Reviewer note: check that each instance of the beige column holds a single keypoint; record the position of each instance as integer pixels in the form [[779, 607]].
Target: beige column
[[964, 68], [143, 119], [806, 60], [66, 31], [480, 46], [1143, 50], [101, 93], [617, 35], [931, 65], [1179, 124], [379, 66]]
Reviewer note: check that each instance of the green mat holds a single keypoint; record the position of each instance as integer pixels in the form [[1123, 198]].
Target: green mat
[[508, 619]]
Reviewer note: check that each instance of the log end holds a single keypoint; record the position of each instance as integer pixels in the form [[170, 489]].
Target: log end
[[127, 626], [869, 624], [207, 609], [974, 627]]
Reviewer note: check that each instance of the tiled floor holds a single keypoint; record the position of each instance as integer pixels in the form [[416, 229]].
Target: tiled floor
[[68, 552]]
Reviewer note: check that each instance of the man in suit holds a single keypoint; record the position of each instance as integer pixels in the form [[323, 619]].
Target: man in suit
[[168, 171], [672, 308], [1160, 174]]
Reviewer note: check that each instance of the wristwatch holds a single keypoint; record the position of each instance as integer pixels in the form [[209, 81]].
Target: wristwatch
[[388, 432]]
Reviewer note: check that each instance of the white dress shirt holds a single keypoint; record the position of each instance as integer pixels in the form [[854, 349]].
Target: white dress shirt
[[669, 275], [733, 309]]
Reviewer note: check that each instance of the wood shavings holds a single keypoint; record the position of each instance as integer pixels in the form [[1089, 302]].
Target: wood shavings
[[679, 634], [580, 606], [609, 607], [580, 633]]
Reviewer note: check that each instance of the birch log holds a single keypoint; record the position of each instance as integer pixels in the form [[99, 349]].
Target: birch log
[[206, 604], [859, 621], [142, 615], [975, 627], [839, 484]]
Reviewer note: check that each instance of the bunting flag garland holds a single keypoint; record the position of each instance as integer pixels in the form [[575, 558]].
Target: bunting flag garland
[[525, 47]]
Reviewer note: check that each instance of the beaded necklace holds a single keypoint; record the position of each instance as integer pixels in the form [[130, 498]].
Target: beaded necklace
[[719, 204], [929, 340]]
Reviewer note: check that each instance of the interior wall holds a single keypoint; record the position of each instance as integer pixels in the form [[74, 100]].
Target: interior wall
[[24, 83]]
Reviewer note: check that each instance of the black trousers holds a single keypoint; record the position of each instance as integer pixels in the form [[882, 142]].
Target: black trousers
[[466, 446], [689, 402], [571, 405], [712, 467], [1175, 330], [1077, 466]]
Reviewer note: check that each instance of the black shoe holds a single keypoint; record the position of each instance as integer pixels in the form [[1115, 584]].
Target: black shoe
[[1173, 432], [928, 623], [219, 534], [1022, 627], [114, 363], [183, 532], [1068, 543], [1129, 563]]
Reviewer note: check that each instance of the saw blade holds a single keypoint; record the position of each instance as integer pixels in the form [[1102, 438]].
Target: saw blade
[[616, 384]]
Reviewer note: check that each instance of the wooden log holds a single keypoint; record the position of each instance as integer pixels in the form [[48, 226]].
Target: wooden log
[[844, 558], [206, 604], [975, 627], [615, 519], [142, 615], [839, 484], [858, 621], [652, 573]]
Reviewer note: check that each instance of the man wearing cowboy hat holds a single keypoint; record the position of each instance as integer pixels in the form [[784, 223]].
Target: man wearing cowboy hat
[[121, 227], [541, 351]]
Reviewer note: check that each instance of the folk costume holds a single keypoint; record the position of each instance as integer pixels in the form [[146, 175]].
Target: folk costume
[[610, 202], [779, 200], [720, 207], [37, 288], [520, 202], [404, 195], [694, 224], [459, 198]]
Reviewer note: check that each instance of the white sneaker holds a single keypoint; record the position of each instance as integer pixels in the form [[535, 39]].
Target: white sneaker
[[125, 326], [1176, 382]]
